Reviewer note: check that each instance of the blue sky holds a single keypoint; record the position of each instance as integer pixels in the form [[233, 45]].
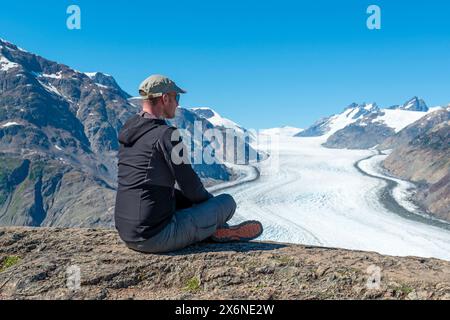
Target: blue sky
[[261, 63]]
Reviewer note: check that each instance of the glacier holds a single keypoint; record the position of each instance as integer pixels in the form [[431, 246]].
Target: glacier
[[316, 196]]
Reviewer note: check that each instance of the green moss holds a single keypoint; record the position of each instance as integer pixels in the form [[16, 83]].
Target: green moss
[[17, 199], [192, 285], [260, 286], [3, 176], [405, 289], [21, 188], [283, 259], [37, 170], [9, 164], [9, 262]]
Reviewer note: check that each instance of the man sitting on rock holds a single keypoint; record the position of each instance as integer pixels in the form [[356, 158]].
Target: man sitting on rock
[[152, 215]]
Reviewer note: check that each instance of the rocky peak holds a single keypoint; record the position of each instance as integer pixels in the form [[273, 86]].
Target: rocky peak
[[413, 104], [205, 112], [105, 80], [355, 110]]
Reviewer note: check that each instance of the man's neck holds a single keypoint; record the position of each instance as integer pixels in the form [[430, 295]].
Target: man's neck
[[154, 110], [153, 113], [149, 115]]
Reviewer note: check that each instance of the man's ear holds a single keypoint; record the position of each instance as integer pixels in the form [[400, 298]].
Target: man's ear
[[165, 98]]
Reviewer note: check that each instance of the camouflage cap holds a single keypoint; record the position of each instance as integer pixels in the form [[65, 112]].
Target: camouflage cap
[[156, 85]]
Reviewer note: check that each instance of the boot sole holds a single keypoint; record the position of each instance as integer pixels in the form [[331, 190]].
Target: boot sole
[[245, 231]]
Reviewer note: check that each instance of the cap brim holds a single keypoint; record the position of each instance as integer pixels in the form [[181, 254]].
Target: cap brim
[[179, 90]]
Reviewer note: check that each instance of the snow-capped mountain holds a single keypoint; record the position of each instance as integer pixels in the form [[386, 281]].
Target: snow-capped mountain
[[366, 125], [329, 125], [243, 151], [421, 153], [242, 134], [58, 142], [216, 119], [414, 104], [282, 131], [398, 119], [104, 80], [434, 117]]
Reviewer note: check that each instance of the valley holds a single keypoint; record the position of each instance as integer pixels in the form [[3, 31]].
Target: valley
[[316, 196]]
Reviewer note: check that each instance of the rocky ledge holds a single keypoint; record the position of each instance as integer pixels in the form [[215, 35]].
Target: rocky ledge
[[51, 263]]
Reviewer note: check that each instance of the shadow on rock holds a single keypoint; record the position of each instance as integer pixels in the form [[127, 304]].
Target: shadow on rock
[[209, 246]]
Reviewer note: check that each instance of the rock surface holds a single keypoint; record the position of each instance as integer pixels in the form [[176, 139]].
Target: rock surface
[[36, 263], [359, 136]]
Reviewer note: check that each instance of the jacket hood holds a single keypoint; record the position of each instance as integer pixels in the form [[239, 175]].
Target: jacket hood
[[136, 127]]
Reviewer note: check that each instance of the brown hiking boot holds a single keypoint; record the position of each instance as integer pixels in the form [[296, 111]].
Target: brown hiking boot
[[245, 231]]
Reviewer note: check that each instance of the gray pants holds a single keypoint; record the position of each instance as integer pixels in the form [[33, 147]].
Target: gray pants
[[190, 225]]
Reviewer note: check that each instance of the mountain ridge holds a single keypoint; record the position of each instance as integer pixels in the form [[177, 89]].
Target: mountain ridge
[[420, 153], [417, 135], [59, 128]]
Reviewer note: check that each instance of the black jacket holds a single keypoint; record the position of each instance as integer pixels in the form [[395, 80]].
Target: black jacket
[[145, 200]]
